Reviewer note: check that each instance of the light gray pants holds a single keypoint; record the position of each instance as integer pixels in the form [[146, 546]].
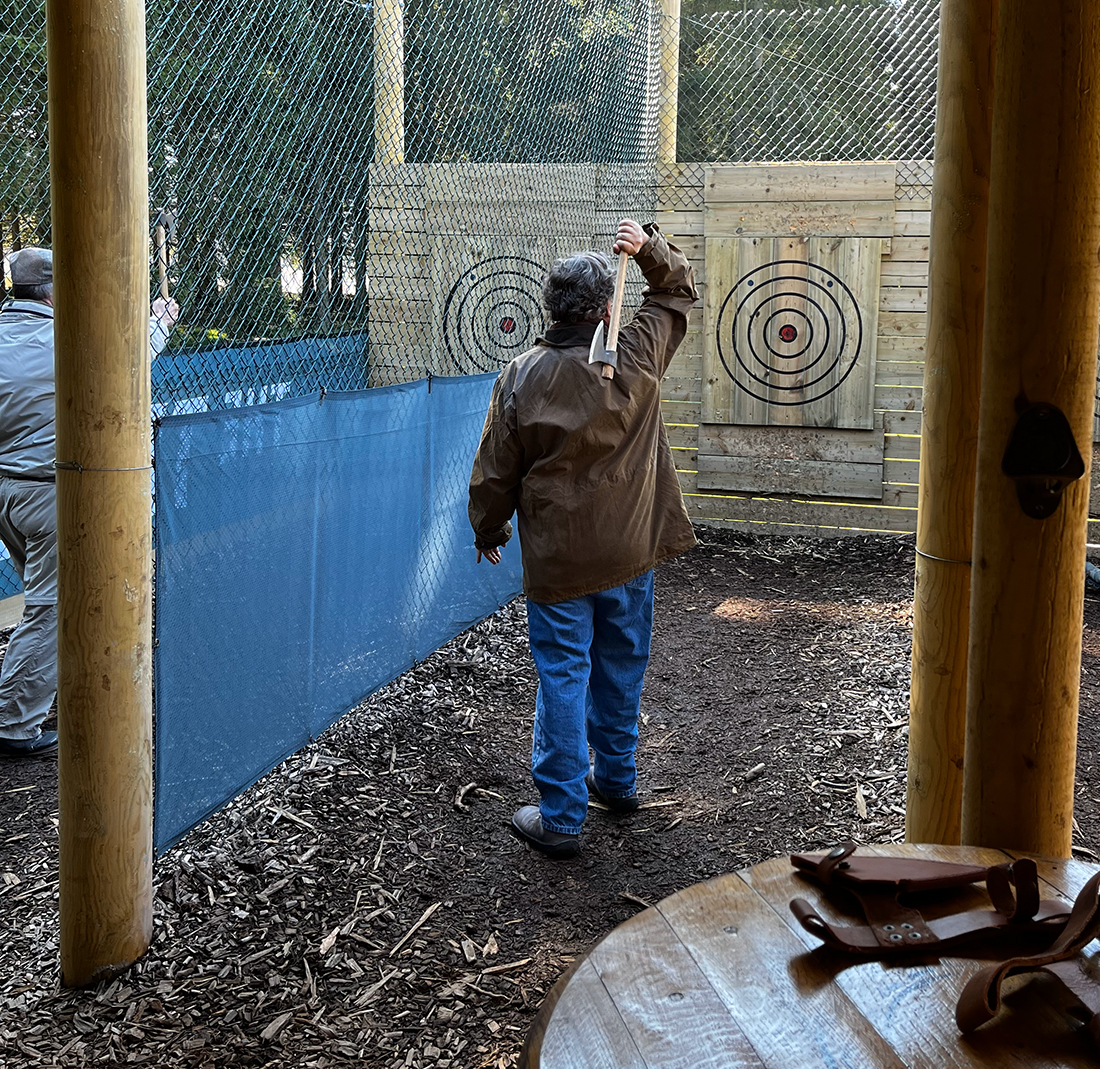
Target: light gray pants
[[28, 678]]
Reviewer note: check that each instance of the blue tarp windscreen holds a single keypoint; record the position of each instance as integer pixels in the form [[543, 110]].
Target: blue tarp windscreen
[[182, 382], [195, 380], [307, 553]]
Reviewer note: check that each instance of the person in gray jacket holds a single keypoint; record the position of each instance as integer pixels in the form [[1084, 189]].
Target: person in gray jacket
[[28, 512]]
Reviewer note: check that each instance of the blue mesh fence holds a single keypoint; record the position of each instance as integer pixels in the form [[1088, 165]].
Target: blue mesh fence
[[308, 551], [233, 377], [9, 578]]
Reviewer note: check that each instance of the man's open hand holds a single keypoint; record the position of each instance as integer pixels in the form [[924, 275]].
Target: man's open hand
[[630, 238], [491, 555]]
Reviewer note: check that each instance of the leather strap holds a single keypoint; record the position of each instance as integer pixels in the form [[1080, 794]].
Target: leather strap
[[981, 998], [944, 934], [835, 859], [893, 928], [842, 867], [1014, 889]]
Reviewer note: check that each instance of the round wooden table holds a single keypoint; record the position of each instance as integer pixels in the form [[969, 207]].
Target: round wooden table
[[722, 975]]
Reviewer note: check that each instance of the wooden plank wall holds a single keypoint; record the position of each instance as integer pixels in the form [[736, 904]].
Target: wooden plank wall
[[430, 223], [899, 376], [416, 211], [398, 254]]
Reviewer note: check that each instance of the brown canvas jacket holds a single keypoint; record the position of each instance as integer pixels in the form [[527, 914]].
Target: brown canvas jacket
[[584, 462]]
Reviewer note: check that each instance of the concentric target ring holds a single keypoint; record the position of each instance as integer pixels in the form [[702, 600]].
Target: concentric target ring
[[492, 312], [770, 369], [789, 327], [502, 314], [792, 337]]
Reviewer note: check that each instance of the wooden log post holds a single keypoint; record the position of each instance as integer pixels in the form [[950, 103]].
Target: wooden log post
[[99, 195], [949, 431], [389, 81], [668, 102], [1042, 306]]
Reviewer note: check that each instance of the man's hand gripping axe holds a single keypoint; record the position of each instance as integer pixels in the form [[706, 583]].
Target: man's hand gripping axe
[[608, 355]]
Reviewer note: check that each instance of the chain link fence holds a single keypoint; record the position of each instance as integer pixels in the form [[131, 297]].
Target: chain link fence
[[347, 194], [812, 82], [295, 216], [319, 211], [324, 224]]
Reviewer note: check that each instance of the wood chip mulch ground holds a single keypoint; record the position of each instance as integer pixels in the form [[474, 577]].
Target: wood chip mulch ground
[[365, 903]]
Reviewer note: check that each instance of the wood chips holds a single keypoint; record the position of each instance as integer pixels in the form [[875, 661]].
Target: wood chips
[[365, 903]]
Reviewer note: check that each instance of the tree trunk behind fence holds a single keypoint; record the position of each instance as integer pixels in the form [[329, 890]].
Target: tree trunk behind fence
[[389, 82], [668, 97]]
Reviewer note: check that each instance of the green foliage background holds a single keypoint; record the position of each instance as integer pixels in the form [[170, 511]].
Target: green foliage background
[[261, 124], [852, 80]]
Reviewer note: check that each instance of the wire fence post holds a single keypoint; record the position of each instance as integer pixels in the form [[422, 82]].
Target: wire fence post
[[669, 98], [389, 81]]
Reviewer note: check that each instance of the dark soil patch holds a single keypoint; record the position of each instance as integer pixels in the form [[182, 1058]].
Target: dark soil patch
[[774, 719]]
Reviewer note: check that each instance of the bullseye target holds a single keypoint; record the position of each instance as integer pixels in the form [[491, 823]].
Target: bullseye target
[[493, 313], [789, 332]]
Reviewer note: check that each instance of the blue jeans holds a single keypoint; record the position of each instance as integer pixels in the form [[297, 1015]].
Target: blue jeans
[[591, 655]]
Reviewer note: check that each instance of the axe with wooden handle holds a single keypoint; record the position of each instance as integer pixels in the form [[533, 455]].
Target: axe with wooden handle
[[608, 354], [165, 225]]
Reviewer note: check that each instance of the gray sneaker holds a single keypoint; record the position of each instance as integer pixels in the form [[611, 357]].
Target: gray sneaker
[[527, 824], [618, 806], [46, 743]]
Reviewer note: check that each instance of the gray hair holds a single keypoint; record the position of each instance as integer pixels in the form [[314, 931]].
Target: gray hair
[[33, 293], [578, 287]]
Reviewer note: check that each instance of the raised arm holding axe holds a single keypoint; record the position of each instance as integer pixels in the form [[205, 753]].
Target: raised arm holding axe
[[574, 445]]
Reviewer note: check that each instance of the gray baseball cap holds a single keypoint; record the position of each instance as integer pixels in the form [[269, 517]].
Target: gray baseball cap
[[31, 267]]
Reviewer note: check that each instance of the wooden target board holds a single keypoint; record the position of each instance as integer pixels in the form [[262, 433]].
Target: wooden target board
[[790, 329], [492, 312], [487, 299]]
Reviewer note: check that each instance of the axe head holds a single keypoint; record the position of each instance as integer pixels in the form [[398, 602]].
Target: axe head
[[166, 219], [598, 353]]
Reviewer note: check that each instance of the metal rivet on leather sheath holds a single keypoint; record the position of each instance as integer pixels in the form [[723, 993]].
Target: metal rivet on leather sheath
[[914, 935], [837, 851], [907, 926], [887, 927], [897, 937]]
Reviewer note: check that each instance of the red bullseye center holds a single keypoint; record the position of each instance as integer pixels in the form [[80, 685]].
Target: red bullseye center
[[788, 333], [508, 324]]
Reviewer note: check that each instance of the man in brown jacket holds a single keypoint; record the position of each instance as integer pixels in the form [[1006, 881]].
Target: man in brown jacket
[[585, 464]]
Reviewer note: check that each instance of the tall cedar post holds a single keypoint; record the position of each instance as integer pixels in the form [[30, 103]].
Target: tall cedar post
[[1041, 312], [99, 193], [389, 81], [949, 431], [668, 103]]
